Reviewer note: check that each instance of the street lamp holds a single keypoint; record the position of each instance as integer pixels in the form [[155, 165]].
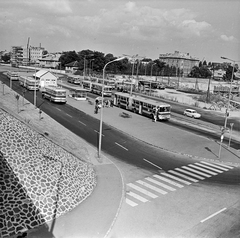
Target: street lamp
[[35, 92], [228, 105], [101, 117]]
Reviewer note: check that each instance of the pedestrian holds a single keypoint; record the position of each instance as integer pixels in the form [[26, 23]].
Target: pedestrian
[[155, 112]]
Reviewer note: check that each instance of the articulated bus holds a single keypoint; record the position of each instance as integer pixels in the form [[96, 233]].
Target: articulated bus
[[142, 105], [97, 89], [29, 83], [13, 75], [55, 94]]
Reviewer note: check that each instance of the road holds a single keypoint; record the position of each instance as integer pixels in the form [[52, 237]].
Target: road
[[185, 210]]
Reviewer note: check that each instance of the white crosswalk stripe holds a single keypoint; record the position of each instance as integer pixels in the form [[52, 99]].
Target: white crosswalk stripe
[[224, 165], [142, 199], [144, 191], [197, 172], [171, 180], [183, 176], [168, 181], [176, 178], [160, 184], [151, 187], [202, 169], [189, 173], [130, 202], [215, 166], [213, 169]]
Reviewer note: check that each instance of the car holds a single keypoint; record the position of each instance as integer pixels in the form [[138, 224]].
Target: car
[[191, 113]]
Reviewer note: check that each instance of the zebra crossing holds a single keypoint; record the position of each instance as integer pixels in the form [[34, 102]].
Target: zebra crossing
[[142, 191]]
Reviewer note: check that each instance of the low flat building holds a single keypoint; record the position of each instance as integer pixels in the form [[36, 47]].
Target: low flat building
[[46, 78]]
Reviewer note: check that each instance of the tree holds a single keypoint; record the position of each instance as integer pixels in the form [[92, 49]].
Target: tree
[[228, 75], [6, 57], [200, 72], [68, 57]]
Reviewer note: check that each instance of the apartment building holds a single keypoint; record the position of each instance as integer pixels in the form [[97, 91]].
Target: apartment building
[[182, 61]]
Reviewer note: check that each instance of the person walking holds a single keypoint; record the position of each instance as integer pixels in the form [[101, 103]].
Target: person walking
[[155, 112]]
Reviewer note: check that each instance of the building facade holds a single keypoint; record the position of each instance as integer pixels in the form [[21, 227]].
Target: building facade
[[35, 53], [181, 61], [50, 60]]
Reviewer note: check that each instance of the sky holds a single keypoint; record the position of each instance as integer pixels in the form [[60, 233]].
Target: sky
[[206, 29]]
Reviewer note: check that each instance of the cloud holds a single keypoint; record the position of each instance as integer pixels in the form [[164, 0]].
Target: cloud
[[228, 38]]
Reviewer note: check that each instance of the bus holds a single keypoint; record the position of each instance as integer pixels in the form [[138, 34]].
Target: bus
[[13, 75], [29, 83], [143, 106], [87, 84], [55, 94], [97, 89], [74, 79], [79, 94], [107, 82]]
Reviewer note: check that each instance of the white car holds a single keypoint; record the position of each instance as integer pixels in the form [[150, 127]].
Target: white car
[[191, 113]]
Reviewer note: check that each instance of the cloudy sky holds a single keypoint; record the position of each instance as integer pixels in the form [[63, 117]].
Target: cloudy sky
[[206, 29]]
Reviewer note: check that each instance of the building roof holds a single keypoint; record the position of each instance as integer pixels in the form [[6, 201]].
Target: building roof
[[41, 73], [73, 64]]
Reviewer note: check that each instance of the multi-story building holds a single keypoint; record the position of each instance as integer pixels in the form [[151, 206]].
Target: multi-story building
[[50, 60], [35, 53], [17, 55], [182, 61]]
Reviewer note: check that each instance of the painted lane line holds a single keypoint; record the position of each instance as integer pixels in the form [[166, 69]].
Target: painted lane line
[[214, 214], [58, 109], [224, 165], [183, 176], [142, 199], [168, 181], [82, 123], [160, 184], [131, 203], [213, 169], [215, 166], [197, 172], [202, 169], [68, 115], [176, 178], [144, 191], [98, 132], [152, 163], [121, 146], [151, 187], [189, 173]]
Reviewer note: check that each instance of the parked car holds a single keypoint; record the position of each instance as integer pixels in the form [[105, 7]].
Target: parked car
[[191, 113]]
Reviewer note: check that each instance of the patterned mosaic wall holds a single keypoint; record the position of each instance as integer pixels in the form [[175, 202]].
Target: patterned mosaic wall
[[38, 179]]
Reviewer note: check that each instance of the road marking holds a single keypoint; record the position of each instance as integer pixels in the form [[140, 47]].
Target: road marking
[[68, 115], [58, 109], [183, 176], [131, 203], [160, 184], [168, 181], [176, 178], [224, 165], [82, 123], [152, 163], [151, 187], [98, 132], [214, 214], [189, 173], [197, 172], [144, 191], [202, 169], [142, 199], [121, 146], [205, 166], [213, 165]]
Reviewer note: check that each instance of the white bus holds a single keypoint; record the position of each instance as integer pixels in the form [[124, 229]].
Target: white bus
[[97, 89], [87, 84], [142, 105], [55, 94], [79, 94], [13, 75], [29, 83]]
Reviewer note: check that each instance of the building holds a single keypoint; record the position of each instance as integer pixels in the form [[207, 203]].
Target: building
[[72, 67], [46, 78], [17, 55], [50, 60], [35, 52], [182, 61]]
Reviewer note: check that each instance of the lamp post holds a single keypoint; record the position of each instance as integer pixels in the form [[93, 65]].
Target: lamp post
[[84, 67], [228, 104], [229, 142], [101, 116], [35, 91]]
